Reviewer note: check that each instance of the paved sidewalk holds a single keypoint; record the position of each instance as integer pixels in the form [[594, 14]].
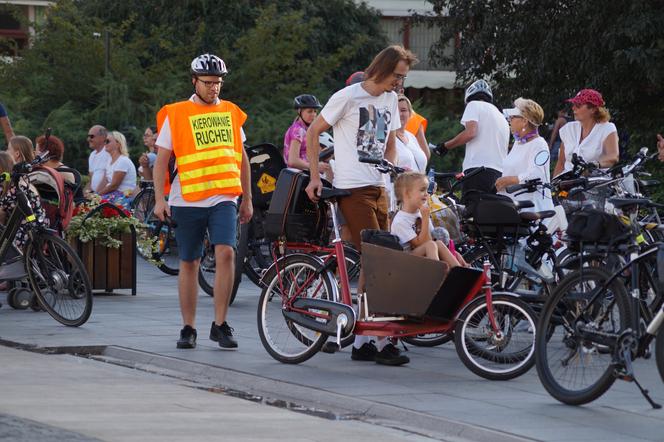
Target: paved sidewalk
[[435, 387], [66, 398]]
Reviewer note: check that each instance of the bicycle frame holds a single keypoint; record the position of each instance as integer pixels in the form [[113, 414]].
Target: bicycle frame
[[21, 211], [370, 325]]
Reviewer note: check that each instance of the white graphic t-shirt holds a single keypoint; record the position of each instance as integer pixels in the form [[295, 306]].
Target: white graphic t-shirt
[[361, 123]]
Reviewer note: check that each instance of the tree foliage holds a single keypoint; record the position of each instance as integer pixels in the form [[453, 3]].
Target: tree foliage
[[274, 49], [549, 49]]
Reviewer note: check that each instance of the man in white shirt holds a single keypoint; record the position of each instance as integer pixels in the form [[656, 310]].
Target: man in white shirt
[[98, 159], [486, 136], [365, 117]]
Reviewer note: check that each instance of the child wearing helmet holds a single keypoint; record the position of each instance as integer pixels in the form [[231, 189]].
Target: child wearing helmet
[[295, 139]]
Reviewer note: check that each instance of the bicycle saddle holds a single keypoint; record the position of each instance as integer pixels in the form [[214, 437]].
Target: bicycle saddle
[[534, 216], [624, 202], [328, 193]]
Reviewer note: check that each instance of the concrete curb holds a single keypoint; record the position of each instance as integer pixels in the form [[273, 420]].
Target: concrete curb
[[317, 401]]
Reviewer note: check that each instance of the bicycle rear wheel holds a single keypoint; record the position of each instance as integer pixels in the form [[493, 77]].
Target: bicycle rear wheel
[[208, 269], [574, 369], [58, 279], [492, 355], [284, 340]]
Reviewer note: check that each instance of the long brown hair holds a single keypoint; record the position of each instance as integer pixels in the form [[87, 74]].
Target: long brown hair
[[23, 145], [386, 61]]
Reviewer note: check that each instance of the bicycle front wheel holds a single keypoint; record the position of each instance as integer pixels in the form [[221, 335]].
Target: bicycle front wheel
[[659, 351], [58, 279], [574, 369]]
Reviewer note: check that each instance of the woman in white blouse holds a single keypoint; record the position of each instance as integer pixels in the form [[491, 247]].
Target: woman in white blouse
[[409, 153], [529, 157], [591, 136], [120, 179]]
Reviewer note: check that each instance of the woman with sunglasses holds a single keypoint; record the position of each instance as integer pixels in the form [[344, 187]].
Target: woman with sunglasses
[[120, 179], [591, 136], [147, 159]]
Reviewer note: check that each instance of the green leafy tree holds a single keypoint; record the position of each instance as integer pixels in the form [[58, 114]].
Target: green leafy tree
[[549, 49]]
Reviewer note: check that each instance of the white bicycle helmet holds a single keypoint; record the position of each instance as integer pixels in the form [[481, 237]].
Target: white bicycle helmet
[[208, 64], [325, 140], [479, 86]]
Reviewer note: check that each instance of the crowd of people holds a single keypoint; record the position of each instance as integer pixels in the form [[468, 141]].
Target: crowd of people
[[370, 117]]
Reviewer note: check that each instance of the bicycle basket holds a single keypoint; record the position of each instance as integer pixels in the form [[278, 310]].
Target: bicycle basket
[[446, 217], [292, 215], [594, 198]]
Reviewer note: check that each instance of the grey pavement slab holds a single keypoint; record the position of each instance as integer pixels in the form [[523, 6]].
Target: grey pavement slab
[[434, 384], [66, 398]]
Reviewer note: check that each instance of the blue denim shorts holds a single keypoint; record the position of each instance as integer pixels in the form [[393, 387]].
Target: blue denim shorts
[[192, 223]]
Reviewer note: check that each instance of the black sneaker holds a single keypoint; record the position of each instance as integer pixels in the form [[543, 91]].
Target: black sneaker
[[390, 355], [367, 352], [187, 337], [223, 334]]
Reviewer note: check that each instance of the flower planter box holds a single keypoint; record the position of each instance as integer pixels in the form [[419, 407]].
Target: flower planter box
[[109, 268]]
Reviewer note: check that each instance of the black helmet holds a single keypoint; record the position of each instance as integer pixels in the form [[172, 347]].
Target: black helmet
[[208, 64], [306, 101]]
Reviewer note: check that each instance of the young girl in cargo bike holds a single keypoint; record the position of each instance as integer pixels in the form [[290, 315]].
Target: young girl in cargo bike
[[412, 223]]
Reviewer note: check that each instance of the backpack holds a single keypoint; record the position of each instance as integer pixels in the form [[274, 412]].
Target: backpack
[[596, 226], [56, 195]]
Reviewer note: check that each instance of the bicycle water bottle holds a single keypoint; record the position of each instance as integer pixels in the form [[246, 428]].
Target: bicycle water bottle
[[432, 182]]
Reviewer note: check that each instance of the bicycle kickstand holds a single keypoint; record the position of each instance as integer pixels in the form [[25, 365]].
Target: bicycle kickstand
[[630, 376]]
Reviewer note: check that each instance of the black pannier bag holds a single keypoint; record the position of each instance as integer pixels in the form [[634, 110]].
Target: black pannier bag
[[292, 215], [491, 209], [266, 163], [494, 215], [596, 227]]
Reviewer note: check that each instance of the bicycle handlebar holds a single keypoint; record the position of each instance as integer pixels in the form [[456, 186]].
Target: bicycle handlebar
[[382, 165]]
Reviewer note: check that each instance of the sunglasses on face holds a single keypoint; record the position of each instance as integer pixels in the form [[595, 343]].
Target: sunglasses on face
[[91, 136], [107, 141]]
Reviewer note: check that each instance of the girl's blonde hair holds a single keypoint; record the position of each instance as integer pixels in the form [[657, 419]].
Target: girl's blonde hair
[[24, 146], [406, 181], [6, 165], [122, 141]]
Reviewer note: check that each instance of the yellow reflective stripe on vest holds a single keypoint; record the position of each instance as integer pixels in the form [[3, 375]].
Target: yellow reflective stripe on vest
[[208, 185], [208, 155], [210, 170]]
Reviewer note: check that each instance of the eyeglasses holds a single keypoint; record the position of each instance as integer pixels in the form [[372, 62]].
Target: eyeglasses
[[91, 136], [399, 76], [209, 84], [107, 141]]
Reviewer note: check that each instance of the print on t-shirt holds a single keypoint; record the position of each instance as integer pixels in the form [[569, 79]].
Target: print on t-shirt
[[372, 133]]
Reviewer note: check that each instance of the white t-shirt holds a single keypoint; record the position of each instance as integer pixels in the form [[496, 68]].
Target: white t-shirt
[[409, 155], [97, 163], [528, 161], [405, 226], [591, 146], [175, 196], [489, 146], [362, 124], [122, 164]]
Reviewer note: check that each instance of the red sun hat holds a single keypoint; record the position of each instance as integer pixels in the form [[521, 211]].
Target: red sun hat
[[587, 96], [355, 77]]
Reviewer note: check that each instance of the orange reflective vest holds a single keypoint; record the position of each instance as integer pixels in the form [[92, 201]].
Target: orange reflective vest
[[207, 142], [161, 117], [416, 120]]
